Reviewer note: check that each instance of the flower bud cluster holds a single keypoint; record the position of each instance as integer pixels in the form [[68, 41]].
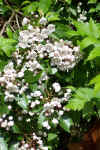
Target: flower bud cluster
[[35, 143], [55, 108], [82, 14], [6, 122]]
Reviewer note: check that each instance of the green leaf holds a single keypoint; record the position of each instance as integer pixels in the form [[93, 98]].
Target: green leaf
[[87, 29], [94, 53], [95, 79], [82, 96], [7, 45], [22, 102], [1, 2], [98, 7], [41, 119], [66, 123], [3, 9], [88, 110], [96, 82], [2, 64], [61, 30], [73, 11], [68, 1], [82, 28], [92, 10], [92, 1], [32, 7], [85, 93], [44, 6], [71, 33], [30, 78], [4, 109], [9, 32], [52, 136], [25, 3], [16, 129], [3, 144], [76, 104], [52, 16], [86, 42], [14, 146], [37, 77], [33, 87], [93, 29]]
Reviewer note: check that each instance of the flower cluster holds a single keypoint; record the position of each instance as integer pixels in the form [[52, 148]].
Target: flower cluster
[[26, 82], [6, 121], [61, 55], [34, 143]]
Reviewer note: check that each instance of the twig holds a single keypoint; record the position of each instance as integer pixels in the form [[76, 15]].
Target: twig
[[12, 28], [20, 13], [17, 11], [17, 21], [6, 23]]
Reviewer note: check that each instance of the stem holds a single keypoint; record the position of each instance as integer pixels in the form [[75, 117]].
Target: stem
[[6, 23]]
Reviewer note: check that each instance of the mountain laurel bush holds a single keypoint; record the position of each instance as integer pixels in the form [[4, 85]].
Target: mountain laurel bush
[[49, 72]]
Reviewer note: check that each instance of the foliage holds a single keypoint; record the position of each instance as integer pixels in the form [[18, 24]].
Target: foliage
[[49, 71]]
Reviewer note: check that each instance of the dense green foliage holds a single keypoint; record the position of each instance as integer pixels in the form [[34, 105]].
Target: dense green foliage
[[76, 22]]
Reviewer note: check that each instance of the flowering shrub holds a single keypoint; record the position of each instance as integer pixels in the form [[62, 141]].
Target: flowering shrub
[[45, 74], [27, 81]]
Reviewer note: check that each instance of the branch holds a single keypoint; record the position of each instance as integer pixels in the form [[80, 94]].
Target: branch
[[17, 21], [6, 23]]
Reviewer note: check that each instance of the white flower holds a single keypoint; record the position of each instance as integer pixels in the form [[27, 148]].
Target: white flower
[[54, 70], [10, 117], [31, 113], [19, 118], [69, 91], [1, 119], [26, 145], [20, 74], [43, 21], [25, 21], [45, 33], [37, 94], [52, 110], [2, 79], [55, 121], [32, 149], [30, 27], [10, 123], [40, 142], [28, 120], [46, 125], [66, 95], [4, 115], [37, 102], [33, 104], [11, 87], [4, 124], [44, 148], [51, 28], [61, 112], [9, 107], [56, 87]]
